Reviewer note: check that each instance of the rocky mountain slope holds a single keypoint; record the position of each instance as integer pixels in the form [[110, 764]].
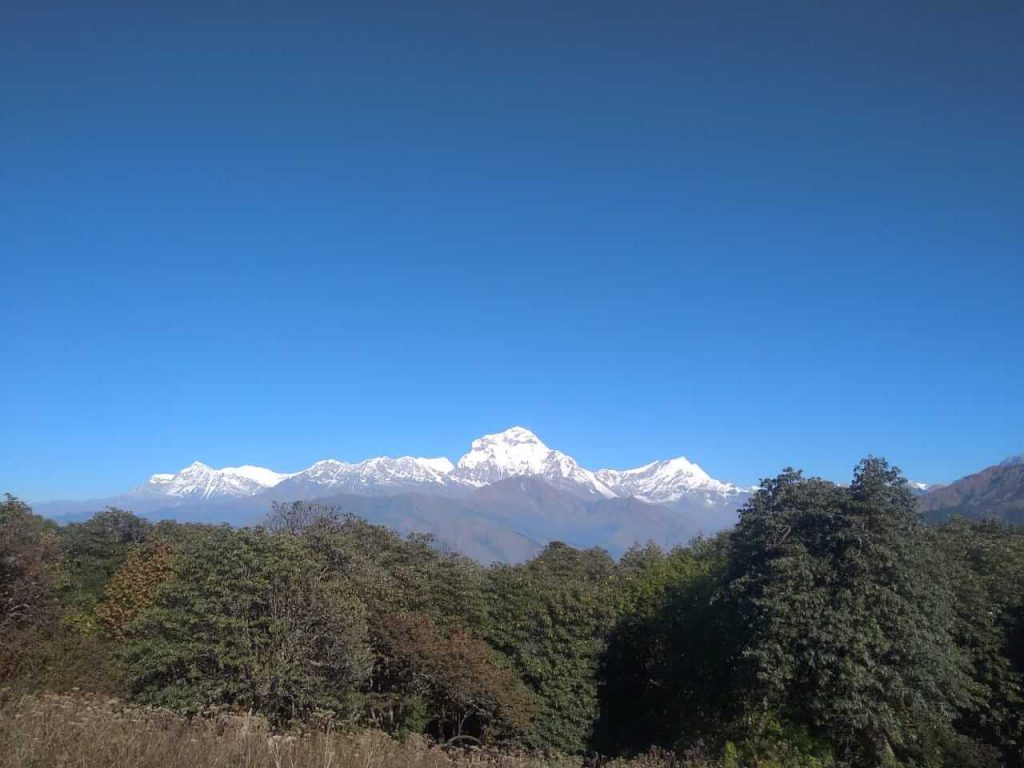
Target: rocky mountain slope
[[995, 492]]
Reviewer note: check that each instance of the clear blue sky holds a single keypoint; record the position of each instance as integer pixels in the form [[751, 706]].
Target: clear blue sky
[[754, 234]]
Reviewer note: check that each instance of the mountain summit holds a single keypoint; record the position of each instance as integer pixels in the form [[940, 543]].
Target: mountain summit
[[371, 475], [200, 481], [507, 496], [666, 481], [517, 452]]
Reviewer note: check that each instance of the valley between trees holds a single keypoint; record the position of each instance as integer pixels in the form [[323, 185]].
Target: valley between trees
[[829, 628]]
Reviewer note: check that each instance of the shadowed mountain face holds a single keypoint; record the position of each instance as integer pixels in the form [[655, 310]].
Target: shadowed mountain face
[[507, 521], [994, 493]]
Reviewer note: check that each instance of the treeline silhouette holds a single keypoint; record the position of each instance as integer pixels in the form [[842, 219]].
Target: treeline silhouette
[[829, 628]]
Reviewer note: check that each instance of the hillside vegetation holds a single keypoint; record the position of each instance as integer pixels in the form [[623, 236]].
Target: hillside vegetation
[[996, 492], [829, 628]]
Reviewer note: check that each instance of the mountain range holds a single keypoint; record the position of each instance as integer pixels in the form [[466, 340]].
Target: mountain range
[[507, 497], [996, 492]]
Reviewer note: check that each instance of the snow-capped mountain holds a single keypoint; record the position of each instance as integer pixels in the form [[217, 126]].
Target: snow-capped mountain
[[506, 497], [667, 481], [371, 476], [199, 481], [517, 452]]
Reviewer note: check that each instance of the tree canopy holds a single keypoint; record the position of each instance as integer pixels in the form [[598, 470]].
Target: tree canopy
[[829, 628]]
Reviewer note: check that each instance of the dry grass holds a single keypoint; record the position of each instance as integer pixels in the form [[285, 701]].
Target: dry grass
[[51, 731]]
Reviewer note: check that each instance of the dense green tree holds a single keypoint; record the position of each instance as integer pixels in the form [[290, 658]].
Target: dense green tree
[[551, 617], [984, 563], [848, 623], [250, 620], [666, 673], [829, 628]]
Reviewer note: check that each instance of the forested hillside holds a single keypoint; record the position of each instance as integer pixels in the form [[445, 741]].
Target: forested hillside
[[829, 628], [995, 492]]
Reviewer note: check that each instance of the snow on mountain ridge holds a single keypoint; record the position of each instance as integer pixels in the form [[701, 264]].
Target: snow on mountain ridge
[[518, 452], [665, 481], [379, 470], [200, 481]]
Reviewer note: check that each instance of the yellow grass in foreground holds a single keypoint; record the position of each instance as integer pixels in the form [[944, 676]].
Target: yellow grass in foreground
[[51, 731]]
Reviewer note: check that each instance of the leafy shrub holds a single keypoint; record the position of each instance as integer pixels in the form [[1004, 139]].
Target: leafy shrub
[[248, 621]]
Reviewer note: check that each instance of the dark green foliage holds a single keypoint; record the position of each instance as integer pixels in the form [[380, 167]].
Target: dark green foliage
[[551, 617], [985, 565], [847, 619], [828, 629], [250, 621], [671, 650]]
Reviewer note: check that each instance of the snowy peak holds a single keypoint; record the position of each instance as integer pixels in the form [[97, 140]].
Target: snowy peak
[[518, 452], [379, 471], [200, 481], [665, 481], [327, 472], [405, 469]]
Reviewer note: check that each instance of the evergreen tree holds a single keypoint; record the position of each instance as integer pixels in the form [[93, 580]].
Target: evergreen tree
[[848, 623], [551, 617], [984, 563], [666, 674]]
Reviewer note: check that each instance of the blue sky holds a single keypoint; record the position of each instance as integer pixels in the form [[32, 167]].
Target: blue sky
[[755, 234]]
